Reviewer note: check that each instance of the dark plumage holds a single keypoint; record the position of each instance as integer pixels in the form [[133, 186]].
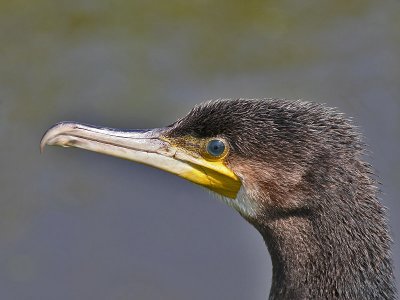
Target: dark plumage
[[315, 199], [295, 170]]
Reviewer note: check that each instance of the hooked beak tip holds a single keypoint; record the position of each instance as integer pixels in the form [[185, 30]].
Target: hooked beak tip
[[52, 132], [42, 145]]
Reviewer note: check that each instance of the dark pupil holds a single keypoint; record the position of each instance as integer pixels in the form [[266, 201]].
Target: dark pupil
[[215, 147]]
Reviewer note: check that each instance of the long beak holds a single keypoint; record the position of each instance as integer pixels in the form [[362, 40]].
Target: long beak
[[146, 147]]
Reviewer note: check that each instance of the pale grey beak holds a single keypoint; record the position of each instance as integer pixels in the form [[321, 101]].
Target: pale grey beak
[[150, 147], [143, 146]]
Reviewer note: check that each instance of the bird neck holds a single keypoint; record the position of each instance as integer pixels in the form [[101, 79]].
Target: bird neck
[[337, 247]]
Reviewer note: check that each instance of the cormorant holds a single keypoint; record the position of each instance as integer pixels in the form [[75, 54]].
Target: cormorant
[[293, 169]]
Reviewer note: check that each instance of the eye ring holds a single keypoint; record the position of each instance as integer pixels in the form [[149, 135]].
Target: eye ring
[[216, 148]]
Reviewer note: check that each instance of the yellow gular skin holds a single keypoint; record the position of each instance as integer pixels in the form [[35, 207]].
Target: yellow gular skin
[[214, 176], [211, 173]]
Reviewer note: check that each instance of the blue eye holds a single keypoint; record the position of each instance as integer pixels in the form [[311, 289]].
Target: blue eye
[[215, 147]]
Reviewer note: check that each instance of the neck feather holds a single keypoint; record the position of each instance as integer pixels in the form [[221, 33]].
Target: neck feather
[[337, 246]]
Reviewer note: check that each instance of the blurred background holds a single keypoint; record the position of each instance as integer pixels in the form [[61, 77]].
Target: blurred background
[[78, 225]]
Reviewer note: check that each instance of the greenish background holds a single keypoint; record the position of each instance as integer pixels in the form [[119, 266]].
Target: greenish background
[[77, 225]]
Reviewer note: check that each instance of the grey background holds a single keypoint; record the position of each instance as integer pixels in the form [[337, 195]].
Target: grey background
[[77, 225]]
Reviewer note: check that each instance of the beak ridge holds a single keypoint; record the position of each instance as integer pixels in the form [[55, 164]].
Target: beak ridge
[[71, 134], [149, 147]]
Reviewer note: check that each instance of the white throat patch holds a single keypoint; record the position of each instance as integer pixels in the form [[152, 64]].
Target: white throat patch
[[244, 203]]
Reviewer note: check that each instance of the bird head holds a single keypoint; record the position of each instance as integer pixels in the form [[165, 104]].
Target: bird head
[[255, 154], [293, 169]]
